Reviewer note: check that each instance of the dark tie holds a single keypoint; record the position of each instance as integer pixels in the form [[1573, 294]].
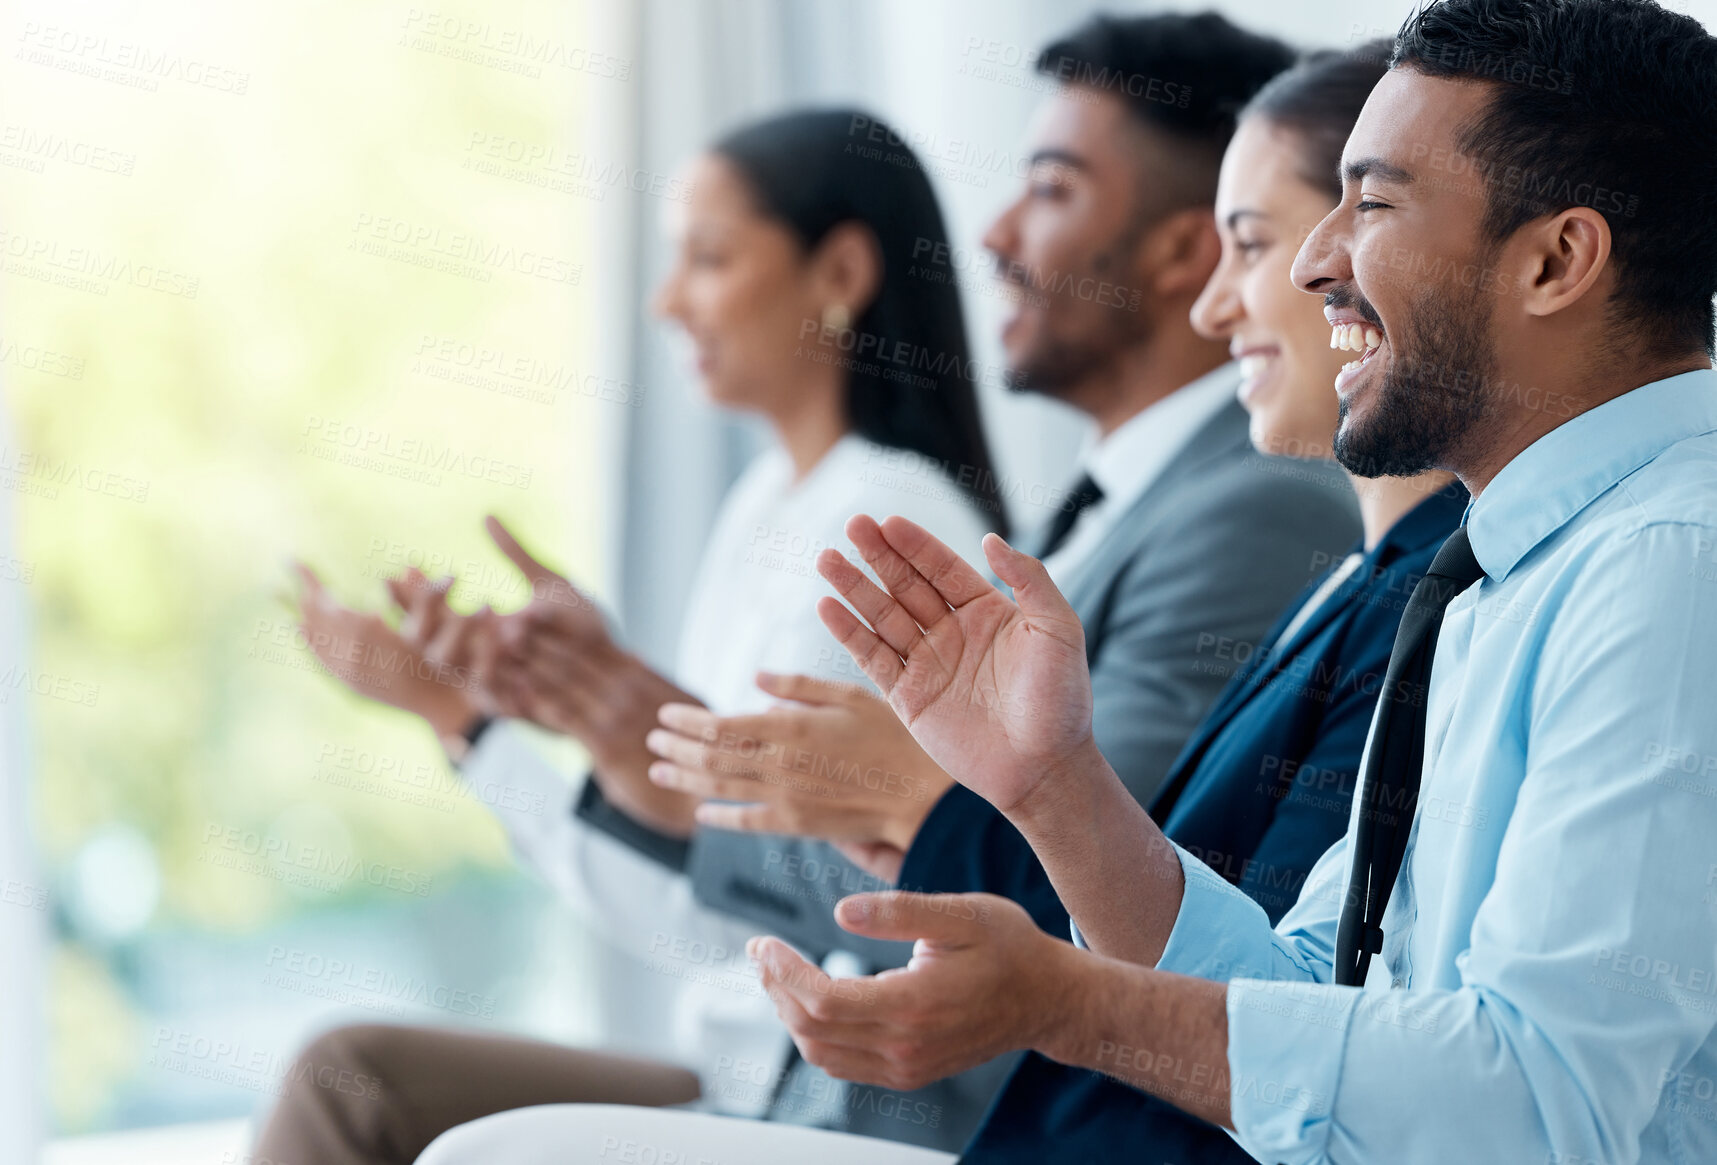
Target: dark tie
[[1085, 495], [1389, 787]]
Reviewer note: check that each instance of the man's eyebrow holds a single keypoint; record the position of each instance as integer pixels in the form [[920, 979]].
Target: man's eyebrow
[[1065, 157], [1234, 216], [1365, 168]]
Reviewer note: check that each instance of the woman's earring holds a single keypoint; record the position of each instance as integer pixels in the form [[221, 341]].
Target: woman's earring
[[836, 318]]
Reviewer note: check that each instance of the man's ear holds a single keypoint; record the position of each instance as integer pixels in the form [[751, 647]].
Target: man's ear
[[1563, 259], [847, 267], [1180, 252]]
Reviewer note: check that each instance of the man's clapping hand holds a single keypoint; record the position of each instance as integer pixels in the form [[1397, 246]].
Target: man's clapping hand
[[996, 690], [982, 981]]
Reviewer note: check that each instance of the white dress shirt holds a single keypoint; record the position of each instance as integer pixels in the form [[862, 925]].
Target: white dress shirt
[[1127, 461], [753, 607]]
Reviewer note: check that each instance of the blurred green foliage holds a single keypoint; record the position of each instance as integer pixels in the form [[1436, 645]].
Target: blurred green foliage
[[166, 607]]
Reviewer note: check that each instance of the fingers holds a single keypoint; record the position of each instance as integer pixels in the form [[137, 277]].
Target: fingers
[[694, 768], [701, 782], [952, 576], [790, 979], [691, 720], [874, 657], [807, 689], [452, 638], [806, 1023], [314, 591], [848, 1063], [425, 607], [704, 775], [1034, 591], [503, 538], [946, 919], [904, 582], [760, 736], [882, 611]]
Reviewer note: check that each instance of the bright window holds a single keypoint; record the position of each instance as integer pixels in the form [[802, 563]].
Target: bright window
[[278, 280]]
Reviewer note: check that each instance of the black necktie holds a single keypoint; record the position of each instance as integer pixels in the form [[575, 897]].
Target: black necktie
[[1085, 495], [1389, 787]]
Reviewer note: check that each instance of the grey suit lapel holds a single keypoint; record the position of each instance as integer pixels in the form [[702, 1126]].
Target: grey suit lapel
[[1223, 435]]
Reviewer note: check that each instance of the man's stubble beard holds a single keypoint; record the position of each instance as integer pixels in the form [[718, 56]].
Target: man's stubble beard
[[1059, 367], [1426, 409]]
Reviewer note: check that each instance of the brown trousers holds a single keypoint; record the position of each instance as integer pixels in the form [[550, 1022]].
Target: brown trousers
[[376, 1094]]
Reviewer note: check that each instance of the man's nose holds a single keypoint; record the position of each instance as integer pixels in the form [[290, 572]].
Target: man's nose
[[1323, 258]]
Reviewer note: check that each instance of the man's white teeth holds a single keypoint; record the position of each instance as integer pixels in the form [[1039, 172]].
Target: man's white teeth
[[1252, 367], [1355, 337]]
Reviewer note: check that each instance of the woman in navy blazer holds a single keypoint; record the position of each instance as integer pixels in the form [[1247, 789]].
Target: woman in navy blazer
[[1265, 784]]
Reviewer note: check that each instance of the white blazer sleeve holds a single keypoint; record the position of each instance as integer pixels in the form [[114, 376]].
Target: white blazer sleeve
[[638, 904]]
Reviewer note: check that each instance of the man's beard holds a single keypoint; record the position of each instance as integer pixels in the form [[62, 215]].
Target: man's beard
[[1427, 407], [1056, 366]]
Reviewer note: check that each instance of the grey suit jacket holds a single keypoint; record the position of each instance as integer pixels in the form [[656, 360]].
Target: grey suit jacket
[[1173, 602]]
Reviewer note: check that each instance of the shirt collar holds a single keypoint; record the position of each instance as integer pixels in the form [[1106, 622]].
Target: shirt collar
[[1567, 469], [1129, 459]]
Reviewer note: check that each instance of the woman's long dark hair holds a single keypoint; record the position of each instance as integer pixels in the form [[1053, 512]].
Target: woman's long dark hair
[[911, 379], [1320, 99]]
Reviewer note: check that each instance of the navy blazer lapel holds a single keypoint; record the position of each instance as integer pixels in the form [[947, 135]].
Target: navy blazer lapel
[[1430, 519], [1250, 680]]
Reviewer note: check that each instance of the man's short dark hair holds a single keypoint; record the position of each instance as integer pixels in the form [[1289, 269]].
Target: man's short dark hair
[[1188, 75], [1610, 104]]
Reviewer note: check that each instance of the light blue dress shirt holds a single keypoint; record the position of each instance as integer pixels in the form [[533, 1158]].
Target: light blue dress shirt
[[1552, 940]]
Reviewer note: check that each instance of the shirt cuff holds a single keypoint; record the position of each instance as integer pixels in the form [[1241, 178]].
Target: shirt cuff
[[1215, 927], [1285, 1046], [596, 810]]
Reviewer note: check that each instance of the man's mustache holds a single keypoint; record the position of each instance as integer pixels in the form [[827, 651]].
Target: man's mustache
[[1349, 299]]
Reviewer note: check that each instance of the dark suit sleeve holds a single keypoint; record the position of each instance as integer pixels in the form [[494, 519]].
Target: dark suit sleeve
[[789, 887], [598, 812], [1314, 800], [966, 845], [1187, 612]]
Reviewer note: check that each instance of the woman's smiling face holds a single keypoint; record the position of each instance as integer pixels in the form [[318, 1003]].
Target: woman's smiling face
[[1265, 207]]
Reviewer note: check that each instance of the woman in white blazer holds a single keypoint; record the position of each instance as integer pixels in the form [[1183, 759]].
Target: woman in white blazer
[[813, 282]]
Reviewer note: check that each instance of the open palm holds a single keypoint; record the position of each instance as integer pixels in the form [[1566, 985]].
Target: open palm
[[997, 692]]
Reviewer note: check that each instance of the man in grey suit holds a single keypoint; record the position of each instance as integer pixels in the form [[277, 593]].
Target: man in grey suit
[[1178, 546]]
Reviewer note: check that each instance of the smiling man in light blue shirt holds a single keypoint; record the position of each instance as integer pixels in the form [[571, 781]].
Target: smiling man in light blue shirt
[[1545, 986]]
